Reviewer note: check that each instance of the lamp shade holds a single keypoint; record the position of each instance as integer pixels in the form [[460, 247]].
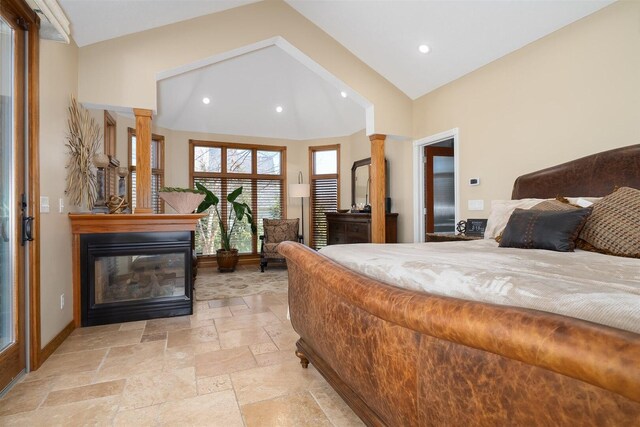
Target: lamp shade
[[299, 190]]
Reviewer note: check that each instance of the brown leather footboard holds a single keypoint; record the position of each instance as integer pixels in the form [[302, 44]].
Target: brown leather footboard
[[406, 358]]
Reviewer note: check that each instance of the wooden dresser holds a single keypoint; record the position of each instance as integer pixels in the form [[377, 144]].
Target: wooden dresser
[[345, 228]]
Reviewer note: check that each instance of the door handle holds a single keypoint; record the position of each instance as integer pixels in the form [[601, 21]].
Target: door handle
[[27, 229], [27, 222]]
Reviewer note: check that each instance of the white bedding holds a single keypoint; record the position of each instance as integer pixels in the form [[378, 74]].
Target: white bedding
[[599, 288]]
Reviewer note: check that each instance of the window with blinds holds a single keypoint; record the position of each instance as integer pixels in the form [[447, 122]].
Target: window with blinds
[[324, 164], [223, 167], [157, 171]]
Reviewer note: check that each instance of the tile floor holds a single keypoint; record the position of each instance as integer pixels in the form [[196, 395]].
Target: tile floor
[[231, 363]]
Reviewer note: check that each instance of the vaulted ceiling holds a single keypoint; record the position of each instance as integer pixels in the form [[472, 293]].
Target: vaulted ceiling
[[244, 93], [462, 36]]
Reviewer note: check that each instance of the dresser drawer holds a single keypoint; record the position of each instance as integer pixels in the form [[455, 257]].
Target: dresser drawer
[[337, 239], [356, 228], [358, 233], [336, 233]]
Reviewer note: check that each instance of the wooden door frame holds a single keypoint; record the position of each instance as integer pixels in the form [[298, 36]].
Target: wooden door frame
[[14, 355], [429, 153], [419, 178], [30, 22]]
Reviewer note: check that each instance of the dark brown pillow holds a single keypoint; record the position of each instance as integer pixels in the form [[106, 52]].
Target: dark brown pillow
[[547, 205], [538, 229], [614, 226]]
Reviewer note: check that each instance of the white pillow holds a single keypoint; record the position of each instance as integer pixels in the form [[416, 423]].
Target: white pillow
[[583, 202], [501, 210]]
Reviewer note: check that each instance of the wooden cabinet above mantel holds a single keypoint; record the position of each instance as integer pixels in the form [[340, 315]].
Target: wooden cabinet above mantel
[[344, 228]]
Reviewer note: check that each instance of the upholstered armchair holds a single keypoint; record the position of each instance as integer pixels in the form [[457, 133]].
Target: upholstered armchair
[[276, 231]]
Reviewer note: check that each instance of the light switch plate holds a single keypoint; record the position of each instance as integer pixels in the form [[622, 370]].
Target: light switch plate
[[476, 205], [44, 204], [61, 205]]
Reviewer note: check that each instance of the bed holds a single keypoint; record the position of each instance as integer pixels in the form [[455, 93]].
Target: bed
[[403, 357]]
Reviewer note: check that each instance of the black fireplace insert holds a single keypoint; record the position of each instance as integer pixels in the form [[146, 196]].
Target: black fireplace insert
[[135, 276]]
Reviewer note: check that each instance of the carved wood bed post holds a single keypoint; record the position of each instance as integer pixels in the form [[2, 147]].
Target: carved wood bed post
[[303, 359], [143, 161], [378, 188]]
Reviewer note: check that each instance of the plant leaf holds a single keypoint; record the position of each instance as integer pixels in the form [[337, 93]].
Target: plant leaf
[[238, 209], [234, 195], [210, 199]]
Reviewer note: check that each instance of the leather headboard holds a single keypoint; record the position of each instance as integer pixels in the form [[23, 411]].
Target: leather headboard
[[595, 176]]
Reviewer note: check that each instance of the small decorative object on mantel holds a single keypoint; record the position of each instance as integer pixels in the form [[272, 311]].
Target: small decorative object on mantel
[[182, 200], [118, 205], [227, 256], [122, 185], [101, 161], [83, 142]]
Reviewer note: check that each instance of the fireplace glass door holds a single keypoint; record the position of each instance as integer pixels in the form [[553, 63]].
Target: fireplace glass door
[[138, 277]]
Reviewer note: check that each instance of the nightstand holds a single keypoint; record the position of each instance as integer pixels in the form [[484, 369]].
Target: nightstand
[[449, 237]]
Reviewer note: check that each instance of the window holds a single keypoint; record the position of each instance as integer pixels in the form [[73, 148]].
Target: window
[[324, 165], [157, 170], [223, 167], [111, 172]]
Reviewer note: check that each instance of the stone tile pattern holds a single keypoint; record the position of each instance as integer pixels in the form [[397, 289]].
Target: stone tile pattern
[[231, 363], [247, 280]]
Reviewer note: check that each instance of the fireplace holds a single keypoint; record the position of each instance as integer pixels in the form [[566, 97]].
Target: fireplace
[[135, 276]]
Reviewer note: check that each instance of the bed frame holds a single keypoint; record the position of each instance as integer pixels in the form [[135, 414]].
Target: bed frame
[[405, 358]]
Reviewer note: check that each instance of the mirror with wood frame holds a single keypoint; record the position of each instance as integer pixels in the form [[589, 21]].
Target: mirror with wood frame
[[361, 182]]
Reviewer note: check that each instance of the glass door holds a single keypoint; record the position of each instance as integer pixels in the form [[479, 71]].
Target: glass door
[[12, 343], [440, 214]]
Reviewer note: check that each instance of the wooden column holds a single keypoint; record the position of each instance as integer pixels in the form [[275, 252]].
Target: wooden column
[[378, 189], [143, 161]]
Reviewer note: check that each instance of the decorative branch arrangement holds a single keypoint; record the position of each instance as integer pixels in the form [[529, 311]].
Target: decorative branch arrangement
[[83, 142]]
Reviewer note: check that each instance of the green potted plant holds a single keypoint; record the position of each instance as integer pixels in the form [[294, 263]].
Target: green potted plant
[[227, 256]]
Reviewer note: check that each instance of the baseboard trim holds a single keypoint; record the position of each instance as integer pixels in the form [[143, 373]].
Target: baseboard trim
[[55, 343]]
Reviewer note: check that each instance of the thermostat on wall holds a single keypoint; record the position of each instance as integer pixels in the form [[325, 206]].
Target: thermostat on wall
[[474, 181]]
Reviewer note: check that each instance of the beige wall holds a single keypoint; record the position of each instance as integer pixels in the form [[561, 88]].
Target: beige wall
[[400, 170], [570, 94], [122, 72], [58, 80]]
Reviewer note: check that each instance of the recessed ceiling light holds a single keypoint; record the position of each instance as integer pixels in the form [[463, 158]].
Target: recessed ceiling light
[[423, 48], [279, 109], [343, 94], [206, 100]]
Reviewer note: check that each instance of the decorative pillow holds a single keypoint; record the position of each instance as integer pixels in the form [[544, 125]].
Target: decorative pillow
[[501, 210], [538, 229], [276, 231], [614, 226], [553, 205], [547, 205]]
